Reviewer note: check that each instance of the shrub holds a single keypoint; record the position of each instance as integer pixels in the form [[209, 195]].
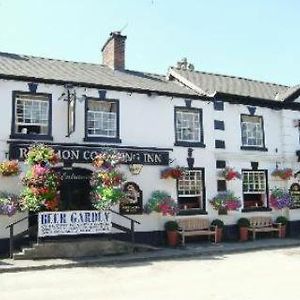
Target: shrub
[[217, 222], [243, 222], [171, 226], [281, 219]]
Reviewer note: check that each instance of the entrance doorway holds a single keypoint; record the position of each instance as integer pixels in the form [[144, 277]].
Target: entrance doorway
[[75, 189]]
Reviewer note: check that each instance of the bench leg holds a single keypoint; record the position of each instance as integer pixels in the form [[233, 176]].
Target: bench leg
[[254, 235], [183, 240]]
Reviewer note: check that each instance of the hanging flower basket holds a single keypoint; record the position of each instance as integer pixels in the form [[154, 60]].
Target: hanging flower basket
[[9, 168], [284, 174], [41, 183], [174, 173], [280, 198], [161, 202], [107, 181], [9, 204], [225, 201], [42, 155], [230, 174]]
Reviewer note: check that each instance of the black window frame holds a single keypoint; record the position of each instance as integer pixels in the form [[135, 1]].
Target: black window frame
[[261, 208], [88, 138], [200, 210], [254, 147], [199, 144], [14, 134]]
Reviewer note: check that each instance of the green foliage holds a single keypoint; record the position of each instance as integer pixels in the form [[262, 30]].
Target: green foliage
[[281, 219], [171, 226], [217, 222], [243, 222]]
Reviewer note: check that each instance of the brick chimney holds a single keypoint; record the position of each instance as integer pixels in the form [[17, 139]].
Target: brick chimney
[[113, 51]]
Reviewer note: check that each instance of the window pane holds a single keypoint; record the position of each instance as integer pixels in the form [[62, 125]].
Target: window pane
[[102, 118], [31, 114], [188, 126], [252, 131]]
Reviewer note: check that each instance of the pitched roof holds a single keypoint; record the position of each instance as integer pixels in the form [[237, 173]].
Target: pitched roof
[[290, 94], [210, 84], [24, 66]]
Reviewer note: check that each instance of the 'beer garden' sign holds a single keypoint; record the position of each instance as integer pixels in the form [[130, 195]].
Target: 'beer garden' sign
[[73, 222]]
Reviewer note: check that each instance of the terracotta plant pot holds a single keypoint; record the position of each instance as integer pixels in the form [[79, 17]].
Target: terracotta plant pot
[[219, 235], [282, 232], [243, 234], [172, 238]]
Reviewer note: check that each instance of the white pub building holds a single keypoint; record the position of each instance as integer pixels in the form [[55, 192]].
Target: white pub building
[[201, 121]]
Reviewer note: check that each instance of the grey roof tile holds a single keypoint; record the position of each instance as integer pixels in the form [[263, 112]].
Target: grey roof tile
[[87, 73], [215, 83]]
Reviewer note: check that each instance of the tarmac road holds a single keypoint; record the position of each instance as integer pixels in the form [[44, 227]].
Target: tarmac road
[[261, 275]]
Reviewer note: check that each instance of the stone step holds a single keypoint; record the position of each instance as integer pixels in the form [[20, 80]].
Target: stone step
[[80, 248]]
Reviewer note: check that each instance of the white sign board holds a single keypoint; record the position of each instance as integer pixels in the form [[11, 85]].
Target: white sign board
[[73, 222]]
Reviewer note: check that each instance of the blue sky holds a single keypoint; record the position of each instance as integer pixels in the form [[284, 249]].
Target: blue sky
[[257, 39]]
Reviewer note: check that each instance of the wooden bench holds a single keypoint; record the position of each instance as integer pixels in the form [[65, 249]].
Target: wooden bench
[[263, 224], [195, 226]]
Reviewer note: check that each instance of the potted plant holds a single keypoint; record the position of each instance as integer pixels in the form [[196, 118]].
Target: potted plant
[[219, 224], [225, 201], [171, 228], [243, 224], [284, 174], [283, 222]]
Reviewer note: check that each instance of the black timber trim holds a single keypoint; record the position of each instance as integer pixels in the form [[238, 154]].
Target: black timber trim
[[256, 148], [253, 148], [199, 144], [219, 144], [219, 125], [220, 164], [233, 99], [221, 185], [293, 96], [39, 137], [218, 105], [88, 138], [273, 104], [103, 86], [253, 209]]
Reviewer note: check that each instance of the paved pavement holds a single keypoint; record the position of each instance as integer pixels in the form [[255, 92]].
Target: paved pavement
[[191, 250]]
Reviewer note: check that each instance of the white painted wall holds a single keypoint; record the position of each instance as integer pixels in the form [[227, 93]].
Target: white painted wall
[[149, 122]]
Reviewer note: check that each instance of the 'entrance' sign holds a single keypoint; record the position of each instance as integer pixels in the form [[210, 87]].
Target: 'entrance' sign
[[73, 222]]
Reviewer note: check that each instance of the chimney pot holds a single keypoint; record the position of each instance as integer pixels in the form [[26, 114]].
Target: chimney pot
[[113, 51]]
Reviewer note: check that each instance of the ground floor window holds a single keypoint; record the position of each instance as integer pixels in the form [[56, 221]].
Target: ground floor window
[[190, 190], [254, 189]]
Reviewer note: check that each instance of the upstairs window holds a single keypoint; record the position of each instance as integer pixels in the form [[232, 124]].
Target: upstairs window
[[31, 115], [252, 131], [102, 119], [188, 126], [190, 190], [254, 188]]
